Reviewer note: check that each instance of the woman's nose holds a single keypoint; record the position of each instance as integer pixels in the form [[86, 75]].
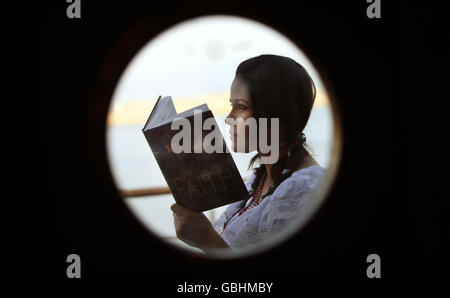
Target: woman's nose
[[229, 119]]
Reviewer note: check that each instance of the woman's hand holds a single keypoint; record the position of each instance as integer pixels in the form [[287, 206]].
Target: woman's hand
[[195, 229]]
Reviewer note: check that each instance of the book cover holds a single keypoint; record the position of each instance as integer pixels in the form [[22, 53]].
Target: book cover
[[198, 181]]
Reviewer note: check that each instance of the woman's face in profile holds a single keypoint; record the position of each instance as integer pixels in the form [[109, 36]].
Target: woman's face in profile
[[241, 107]]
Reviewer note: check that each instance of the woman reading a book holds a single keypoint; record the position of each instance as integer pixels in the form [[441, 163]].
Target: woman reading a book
[[266, 86]]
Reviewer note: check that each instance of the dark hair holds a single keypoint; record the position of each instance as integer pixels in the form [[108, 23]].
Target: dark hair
[[279, 87]]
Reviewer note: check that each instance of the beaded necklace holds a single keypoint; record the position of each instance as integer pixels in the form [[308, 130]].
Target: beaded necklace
[[255, 198]]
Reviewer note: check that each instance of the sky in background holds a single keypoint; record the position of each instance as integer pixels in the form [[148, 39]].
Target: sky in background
[[200, 56]]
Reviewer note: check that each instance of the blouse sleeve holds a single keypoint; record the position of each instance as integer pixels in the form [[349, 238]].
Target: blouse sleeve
[[288, 200]]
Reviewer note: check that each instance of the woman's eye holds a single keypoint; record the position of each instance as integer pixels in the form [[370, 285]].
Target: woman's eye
[[241, 107]]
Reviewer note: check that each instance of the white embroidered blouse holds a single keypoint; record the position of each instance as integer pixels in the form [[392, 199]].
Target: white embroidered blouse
[[272, 213]]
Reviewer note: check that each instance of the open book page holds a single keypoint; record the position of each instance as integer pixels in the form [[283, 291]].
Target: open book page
[[164, 111], [190, 112]]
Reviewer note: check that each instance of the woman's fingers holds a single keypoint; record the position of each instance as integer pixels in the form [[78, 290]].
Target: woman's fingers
[[192, 227]]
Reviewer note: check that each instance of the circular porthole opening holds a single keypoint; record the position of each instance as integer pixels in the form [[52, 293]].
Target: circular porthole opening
[[195, 63]]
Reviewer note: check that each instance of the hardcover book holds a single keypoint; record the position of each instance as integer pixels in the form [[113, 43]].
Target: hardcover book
[[198, 180]]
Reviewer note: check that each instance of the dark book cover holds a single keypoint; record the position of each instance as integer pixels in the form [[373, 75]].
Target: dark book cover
[[198, 181]]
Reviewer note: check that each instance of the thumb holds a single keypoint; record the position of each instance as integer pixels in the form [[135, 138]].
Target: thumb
[[177, 209]]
